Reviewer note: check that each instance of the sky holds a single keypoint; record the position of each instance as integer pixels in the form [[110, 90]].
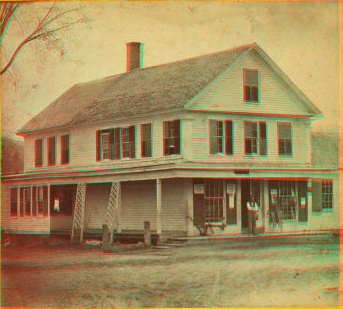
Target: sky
[[301, 37]]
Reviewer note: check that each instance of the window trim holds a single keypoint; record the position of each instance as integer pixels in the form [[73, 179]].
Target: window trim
[[327, 209], [42, 154], [48, 152], [176, 139], [258, 138], [65, 163], [128, 142], [258, 87], [278, 139], [107, 133], [224, 137]]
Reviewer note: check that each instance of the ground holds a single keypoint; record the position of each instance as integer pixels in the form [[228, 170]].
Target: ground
[[256, 272]]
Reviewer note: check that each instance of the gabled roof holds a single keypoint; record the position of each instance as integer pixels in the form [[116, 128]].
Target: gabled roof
[[325, 149], [164, 87]]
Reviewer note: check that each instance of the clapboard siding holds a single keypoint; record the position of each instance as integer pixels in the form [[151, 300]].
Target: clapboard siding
[[61, 222], [97, 197], [83, 144], [174, 205], [138, 204], [226, 93], [200, 140]]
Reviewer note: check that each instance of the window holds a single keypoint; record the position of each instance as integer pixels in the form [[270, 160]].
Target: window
[[52, 150], [285, 139], [146, 145], [255, 138], [25, 201], [327, 194], [286, 197], [39, 152], [116, 143], [220, 141], [214, 200], [14, 201], [251, 85], [65, 146], [105, 145], [40, 199], [125, 142], [172, 138]]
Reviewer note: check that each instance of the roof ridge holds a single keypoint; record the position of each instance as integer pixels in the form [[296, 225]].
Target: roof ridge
[[172, 62]]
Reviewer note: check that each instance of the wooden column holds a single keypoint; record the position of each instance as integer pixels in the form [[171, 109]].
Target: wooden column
[[159, 206], [49, 205], [189, 193], [309, 203], [31, 201], [239, 205], [119, 208], [18, 203]]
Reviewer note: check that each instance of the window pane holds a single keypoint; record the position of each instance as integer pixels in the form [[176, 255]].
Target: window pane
[[251, 78]]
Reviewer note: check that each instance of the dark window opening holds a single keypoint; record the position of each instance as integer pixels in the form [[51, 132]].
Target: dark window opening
[[39, 152], [172, 137], [146, 140], [251, 86], [14, 201], [285, 139], [65, 149], [52, 150]]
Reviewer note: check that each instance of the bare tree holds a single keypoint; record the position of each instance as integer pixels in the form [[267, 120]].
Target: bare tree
[[54, 20]]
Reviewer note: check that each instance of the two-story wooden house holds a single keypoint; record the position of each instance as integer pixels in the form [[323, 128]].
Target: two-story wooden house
[[182, 145]]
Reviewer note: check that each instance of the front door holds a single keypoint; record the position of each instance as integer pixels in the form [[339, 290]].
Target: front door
[[250, 187]]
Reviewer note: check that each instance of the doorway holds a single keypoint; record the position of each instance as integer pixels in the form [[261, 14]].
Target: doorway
[[250, 187]]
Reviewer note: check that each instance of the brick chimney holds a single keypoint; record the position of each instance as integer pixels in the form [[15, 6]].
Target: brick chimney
[[134, 56]]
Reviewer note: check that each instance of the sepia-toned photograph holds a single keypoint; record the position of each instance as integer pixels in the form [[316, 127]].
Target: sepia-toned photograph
[[159, 154]]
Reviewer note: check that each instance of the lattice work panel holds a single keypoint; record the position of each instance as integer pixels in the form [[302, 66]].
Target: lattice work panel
[[79, 206], [112, 206]]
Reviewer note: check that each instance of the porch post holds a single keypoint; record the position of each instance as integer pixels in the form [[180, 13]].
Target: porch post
[[239, 206], [189, 188], [31, 201], [49, 206], [18, 199], [265, 205], [119, 208], [159, 206], [309, 203]]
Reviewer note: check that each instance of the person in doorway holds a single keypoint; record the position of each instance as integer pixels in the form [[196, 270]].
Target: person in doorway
[[252, 212]]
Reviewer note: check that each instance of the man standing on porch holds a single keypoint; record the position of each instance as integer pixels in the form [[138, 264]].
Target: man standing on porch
[[252, 211]]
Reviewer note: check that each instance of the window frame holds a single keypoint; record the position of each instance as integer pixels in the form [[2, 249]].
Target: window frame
[[245, 87], [102, 149], [217, 137], [42, 152], [146, 152], [64, 150], [176, 147], [257, 139], [224, 137], [125, 152], [288, 155], [55, 150], [214, 198], [327, 205]]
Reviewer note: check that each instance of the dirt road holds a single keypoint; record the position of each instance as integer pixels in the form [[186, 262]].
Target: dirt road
[[249, 273]]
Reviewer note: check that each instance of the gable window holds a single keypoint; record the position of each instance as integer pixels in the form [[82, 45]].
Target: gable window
[[115, 144], [285, 139], [171, 136], [327, 194], [52, 150], [251, 85], [146, 144], [220, 141], [39, 152], [65, 149], [255, 138]]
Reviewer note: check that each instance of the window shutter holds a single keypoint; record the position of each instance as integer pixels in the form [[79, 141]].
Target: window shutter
[[28, 201], [98, 141], [213, 133], [14, 201], [302, 193], [229, 137], [112, 144], [39, 152], [45, 200], [198, 206], [164, 138], [177, 139], [117, 143], [263, 138], [132, 139], [22, 201], [317, 202]]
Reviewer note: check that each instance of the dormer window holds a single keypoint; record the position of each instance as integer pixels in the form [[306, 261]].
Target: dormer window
[[251, 86]]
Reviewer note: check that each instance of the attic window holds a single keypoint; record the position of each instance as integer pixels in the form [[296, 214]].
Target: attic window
[[251, 86]]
